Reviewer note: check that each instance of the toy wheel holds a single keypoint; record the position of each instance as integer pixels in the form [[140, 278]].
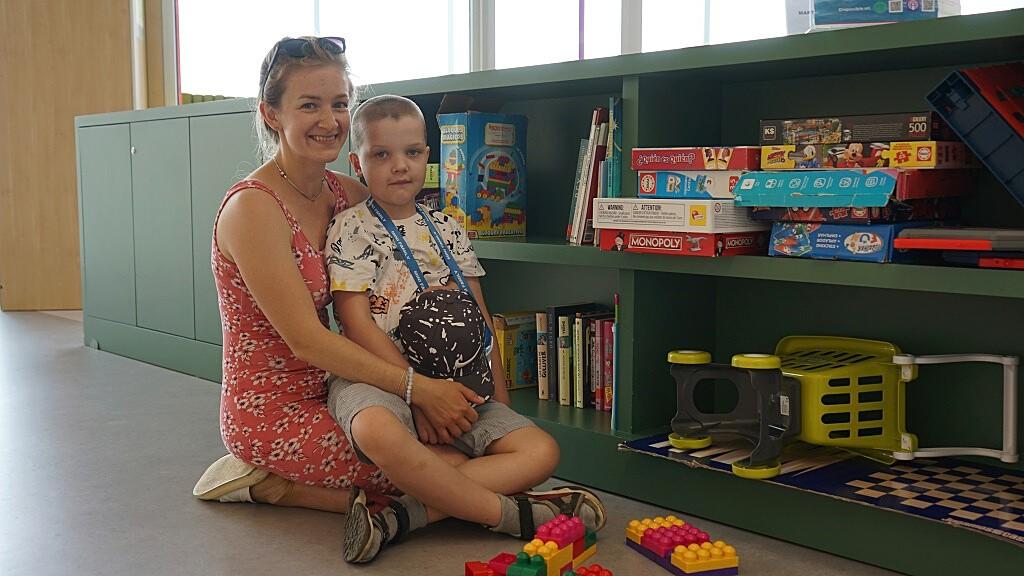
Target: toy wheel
[[756, 472], [689, 357], [680, 442], [756, 361]]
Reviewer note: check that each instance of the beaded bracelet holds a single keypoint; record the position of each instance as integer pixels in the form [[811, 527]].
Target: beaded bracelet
[[408, 386]]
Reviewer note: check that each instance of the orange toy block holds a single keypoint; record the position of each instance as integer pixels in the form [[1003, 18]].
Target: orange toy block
[[695, 558], [636, 528]]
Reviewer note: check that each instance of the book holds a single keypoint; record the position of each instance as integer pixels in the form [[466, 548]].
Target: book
[[516, 337], [583, 225], [607, 356], [564, 360], [553, 312], [580, 159], [543, 384], [583, 184], [582, 394], [614, 152]]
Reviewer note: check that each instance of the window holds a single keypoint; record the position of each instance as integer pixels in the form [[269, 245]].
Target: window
[[528, 32], [670, 24]]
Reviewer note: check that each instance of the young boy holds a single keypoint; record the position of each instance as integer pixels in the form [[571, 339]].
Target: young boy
[[405, 285]]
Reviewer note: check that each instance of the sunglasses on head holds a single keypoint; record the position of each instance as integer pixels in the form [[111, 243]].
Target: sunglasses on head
[[301, 47]]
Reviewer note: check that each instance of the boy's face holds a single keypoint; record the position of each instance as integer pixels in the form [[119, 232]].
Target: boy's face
[[393, 161]]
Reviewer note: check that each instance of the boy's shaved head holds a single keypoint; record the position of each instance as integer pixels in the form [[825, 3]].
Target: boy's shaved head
[[379, 108]]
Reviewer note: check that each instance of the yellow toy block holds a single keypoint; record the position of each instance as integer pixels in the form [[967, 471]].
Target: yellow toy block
[[555, 558], [636, 528], [693, 559], [584, 556]]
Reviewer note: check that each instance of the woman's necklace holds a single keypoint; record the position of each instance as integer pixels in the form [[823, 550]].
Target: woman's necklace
[[319, 191]]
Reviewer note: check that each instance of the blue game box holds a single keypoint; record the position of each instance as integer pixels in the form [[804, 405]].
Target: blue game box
[[865, 243]]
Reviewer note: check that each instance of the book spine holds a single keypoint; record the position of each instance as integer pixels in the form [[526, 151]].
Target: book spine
[[615, 152], [598, 372], [579, 364], [594, 364], [585, 212], [552, 354], [564, 361], [607, 355], [580, 159], [584, 183], [543, 384]]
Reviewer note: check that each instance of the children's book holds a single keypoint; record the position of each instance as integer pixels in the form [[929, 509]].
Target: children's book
[[543, 384]]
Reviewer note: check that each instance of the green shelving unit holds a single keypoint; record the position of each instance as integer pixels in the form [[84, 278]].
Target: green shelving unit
[[711, 95]]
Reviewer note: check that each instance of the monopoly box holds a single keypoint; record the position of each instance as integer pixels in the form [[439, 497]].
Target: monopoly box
[[910, 126], [683, 243], [688, 184], [844, 187], [694, 158], [866, 243], [516, 336], [685, 215], [924, 154], [483, 169]]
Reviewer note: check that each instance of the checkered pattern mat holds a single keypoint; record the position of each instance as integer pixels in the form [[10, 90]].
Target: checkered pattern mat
[[976, 496]]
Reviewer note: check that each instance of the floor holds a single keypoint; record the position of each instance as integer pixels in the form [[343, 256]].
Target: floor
[[98, 455]]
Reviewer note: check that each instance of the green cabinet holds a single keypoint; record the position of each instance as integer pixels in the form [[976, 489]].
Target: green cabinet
[[107, 235], [162, 215], [223, 151]]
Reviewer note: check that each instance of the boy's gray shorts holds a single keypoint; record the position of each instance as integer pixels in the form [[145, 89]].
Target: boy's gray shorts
[[346, 399]]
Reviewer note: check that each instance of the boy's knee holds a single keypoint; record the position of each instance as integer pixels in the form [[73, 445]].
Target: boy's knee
[[375, 428], [542, 448]]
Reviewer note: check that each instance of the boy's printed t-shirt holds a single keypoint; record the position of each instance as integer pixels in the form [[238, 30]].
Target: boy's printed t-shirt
[[361, 256]]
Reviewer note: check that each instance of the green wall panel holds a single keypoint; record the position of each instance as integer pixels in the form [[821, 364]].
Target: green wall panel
[[108, 246], [161, 193], [223, 151]]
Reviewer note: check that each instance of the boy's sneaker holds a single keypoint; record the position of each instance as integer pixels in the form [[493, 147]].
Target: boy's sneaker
[[568, 500], [367, 533]]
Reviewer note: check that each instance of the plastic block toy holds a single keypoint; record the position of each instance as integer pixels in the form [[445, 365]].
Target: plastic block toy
[[501, 562], [662, 541], [526, 565], [478, 569], [636, 528], [555, 558], [592, 570], [705, 557], [561, 530], [584, 556]]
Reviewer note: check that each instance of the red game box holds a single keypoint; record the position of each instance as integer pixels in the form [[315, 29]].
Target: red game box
[[684, 243], [694, 158]]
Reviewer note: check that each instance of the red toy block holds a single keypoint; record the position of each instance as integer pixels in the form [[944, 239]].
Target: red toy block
[[500, 563], [663, 540], [592, 570], [478, 569]]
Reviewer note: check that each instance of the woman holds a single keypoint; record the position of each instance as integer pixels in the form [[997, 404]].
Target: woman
[[268, 245]]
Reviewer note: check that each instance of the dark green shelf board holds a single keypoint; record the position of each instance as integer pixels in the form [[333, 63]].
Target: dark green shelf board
[[942, 42], [525, 402], [884, 538], [944, 279]]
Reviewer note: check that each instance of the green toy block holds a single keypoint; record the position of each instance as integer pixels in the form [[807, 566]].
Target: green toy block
[[589, 539], [527, 566]]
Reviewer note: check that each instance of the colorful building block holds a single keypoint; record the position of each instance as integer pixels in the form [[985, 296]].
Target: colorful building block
[[666, 563], [526, 565], [581, 558], [636, 528], [501, 562], [592, 570], [478, 569], [555, 558], [664, 539], [706, 557], [563, 530]]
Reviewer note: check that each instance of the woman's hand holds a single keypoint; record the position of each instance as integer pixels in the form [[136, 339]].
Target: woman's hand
[[446, 406]]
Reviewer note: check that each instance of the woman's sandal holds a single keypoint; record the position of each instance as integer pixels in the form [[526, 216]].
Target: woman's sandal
[[228, 480], [568, 500]]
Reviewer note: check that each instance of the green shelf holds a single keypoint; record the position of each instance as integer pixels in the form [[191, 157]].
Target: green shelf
[[944, 279], [550, 412]]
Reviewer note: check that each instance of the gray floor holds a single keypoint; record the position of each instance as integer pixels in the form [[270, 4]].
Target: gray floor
[[99, 453]]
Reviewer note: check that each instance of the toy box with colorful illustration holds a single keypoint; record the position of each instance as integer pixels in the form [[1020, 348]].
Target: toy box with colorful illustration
[[850, 188], [829, 14], [430, 195], [483, 168], [905, 127], [680, 215], [516, 336], [924, 154], [867, 243], [683, 243], [716, 184], [696, 158]]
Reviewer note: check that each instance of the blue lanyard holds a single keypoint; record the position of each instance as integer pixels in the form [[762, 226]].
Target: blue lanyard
[[410, 261]]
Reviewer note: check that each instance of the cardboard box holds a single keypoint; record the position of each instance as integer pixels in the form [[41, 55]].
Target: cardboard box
[[683, 243], [903, 127], [688, 184], [909, 210], [854, 188], [483, 167], [686, 215], [693, 158], [829, 14], [866, 243], [515, 333], [925, 154]]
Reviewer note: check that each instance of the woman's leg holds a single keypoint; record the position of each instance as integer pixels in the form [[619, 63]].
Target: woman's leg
[[282, 492]]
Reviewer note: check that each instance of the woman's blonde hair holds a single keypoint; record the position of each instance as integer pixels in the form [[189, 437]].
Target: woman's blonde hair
[[274, 73]]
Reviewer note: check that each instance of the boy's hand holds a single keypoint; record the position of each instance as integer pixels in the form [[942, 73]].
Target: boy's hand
[[424, 429], [446, 406]]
